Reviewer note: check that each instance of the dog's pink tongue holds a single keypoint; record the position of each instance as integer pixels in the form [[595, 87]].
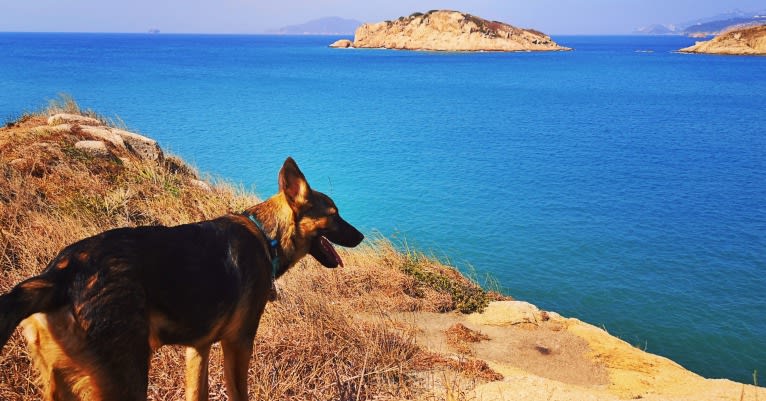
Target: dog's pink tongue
[[330, 250]]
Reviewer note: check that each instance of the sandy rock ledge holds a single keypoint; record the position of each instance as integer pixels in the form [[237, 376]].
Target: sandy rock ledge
[[544, 356]]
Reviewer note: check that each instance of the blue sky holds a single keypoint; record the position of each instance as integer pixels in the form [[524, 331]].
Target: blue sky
[[256, 16]]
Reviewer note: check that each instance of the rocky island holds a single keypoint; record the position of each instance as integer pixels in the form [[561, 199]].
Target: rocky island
[[444, 30], [742, 41]]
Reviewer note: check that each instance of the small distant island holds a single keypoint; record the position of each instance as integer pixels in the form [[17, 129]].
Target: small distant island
[[743, 41], [710, 26], [321, 26], [445, 30]]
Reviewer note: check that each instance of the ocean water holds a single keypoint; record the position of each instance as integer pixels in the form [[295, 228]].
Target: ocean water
[[620, 186]]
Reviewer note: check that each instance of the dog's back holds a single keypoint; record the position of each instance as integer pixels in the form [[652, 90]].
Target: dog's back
[[163, 271]]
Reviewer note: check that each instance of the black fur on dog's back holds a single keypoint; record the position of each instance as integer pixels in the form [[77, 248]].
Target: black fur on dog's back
[[177, 267]]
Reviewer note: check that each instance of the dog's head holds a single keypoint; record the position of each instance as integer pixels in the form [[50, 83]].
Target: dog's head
[[318, 223]]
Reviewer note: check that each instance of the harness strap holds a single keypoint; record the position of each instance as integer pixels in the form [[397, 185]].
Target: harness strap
[[273, 244]]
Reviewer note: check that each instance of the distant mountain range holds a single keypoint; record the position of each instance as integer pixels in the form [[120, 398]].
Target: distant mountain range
[[706, 26], [322, 26]]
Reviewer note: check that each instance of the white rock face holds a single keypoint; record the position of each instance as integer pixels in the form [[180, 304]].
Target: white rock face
[[96, 148], [64, 118], [104, 133]]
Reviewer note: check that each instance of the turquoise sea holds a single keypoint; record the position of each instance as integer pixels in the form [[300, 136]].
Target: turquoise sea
[[621, 183]]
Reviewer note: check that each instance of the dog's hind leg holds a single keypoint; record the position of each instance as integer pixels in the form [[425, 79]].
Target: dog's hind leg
[[51, 360], [121, 365], [197, 373], [236, 360], [57, 348], [114, 318]]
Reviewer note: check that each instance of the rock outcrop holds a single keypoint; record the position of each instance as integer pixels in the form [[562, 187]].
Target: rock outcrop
[[442, 30], [143, 147], [744, 41]]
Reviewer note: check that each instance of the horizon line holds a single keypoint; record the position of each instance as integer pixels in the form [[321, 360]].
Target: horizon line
[[160, 33]]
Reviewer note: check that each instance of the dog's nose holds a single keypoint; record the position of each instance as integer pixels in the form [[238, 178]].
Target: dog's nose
[[346, 234]]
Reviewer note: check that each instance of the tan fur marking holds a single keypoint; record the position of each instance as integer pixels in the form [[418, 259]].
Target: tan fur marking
[[62, 264], [59, 352], [197, 373], [36, 285], [311, 225], [91, 282]]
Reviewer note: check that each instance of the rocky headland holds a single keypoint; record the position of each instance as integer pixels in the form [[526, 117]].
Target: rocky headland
[[742, 41], [390, 325], [444, 30]]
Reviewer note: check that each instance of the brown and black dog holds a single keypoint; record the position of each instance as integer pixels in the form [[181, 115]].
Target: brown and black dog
[[93, 317]]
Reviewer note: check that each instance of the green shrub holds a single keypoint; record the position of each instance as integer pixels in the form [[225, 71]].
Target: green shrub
[[467, 297]]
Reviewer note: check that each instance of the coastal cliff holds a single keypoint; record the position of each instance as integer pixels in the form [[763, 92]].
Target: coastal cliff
[[390, 325], [742, 41], [443, 30]]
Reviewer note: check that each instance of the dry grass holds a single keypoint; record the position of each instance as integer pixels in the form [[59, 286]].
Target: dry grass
[[460, 338], [470, 368], [327, 338]]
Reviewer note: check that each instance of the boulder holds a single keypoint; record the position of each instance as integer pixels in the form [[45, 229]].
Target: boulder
[[65, 118], [342, 44], [52, 129], [95, 148], [145, 148], [104, 133]]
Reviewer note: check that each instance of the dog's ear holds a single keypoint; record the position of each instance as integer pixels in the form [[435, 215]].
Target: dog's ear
[[293, 184]]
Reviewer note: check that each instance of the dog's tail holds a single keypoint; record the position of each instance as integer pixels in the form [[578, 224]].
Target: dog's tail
[[37, 294]]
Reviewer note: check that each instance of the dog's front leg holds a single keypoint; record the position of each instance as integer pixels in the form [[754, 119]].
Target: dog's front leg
[[196, 373], [236, 360]]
